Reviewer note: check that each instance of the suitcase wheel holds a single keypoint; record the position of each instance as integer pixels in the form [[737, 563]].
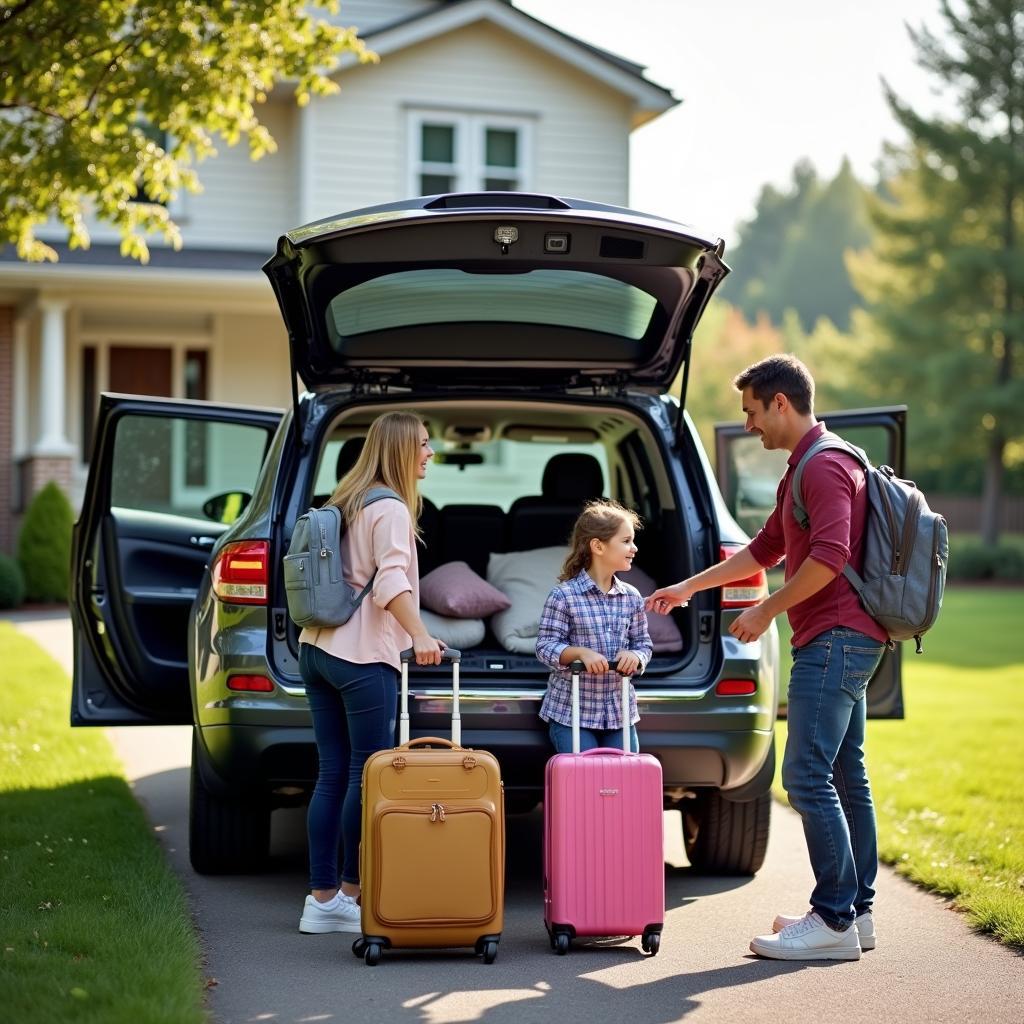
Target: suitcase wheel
[[651, 942], [359, 948], [561, 943], [372, 954], [490, 952]]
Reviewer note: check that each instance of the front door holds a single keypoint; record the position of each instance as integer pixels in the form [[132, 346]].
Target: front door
[[141, 370], [142, 544], [749, 478]]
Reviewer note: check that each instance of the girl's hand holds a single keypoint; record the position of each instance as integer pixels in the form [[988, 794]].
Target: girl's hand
[[594, 662], [427, 649], [627, 663]]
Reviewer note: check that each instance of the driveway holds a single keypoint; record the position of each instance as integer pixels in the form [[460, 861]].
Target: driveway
[[929, 966]]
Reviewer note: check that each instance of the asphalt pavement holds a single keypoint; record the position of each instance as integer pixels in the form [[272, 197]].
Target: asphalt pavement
[[929, 966]]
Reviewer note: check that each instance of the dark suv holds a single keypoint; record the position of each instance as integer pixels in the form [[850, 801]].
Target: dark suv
[[538, 338]]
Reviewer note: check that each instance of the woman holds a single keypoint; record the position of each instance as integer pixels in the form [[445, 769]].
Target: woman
[[351, 671]]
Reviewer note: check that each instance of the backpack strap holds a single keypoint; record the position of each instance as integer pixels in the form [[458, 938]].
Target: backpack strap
[[374, 494], [825, 442]]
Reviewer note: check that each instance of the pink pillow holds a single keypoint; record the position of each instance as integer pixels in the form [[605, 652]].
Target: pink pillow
[[453, 589], [664, 632]]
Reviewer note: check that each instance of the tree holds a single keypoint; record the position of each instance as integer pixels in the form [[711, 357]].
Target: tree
[[106, 103], [946, 280]]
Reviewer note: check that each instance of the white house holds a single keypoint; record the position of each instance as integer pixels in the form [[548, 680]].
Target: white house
[[468, 95]]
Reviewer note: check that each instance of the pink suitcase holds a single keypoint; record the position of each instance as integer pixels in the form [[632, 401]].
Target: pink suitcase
[[604, 865]]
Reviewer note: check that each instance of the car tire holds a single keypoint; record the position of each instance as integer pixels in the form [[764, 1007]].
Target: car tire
[[725, 837], [226, 835]]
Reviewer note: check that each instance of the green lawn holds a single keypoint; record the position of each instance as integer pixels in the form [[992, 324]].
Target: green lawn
[[93, 925], [948, 779]]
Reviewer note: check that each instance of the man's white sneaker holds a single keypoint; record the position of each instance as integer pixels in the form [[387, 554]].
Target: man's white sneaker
[[338, 915], [808, 938], [865, 927]]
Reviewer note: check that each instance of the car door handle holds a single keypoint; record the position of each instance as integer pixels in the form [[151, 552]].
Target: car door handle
[[202, 542]]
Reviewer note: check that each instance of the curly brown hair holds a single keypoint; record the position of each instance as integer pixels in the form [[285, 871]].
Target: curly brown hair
[[599, 520]]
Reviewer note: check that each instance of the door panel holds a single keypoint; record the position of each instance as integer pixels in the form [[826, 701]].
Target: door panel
[[748, 477], [142, 544]]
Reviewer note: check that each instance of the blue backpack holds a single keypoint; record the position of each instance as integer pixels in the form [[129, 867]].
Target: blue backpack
[[906, 547], [314, 584]]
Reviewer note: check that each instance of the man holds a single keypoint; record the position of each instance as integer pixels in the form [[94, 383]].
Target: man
[[836, 649]]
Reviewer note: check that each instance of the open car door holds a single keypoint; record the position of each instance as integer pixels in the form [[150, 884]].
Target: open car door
[[142, 543], [749, 477]]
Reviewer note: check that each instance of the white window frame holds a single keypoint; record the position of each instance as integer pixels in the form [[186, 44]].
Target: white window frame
[[468, 170]]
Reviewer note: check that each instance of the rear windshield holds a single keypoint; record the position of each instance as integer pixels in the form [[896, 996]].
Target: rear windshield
[[559, 298]]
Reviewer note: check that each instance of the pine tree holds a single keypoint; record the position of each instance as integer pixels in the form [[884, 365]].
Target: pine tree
[[947, 277]]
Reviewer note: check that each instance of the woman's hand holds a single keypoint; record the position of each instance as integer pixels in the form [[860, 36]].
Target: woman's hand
[[427, 649], [594, 662], [627, 663]]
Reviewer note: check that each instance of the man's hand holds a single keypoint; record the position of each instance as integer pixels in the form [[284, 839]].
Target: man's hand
[[664, 600], [594, 662], [751, 624], [627, 663]]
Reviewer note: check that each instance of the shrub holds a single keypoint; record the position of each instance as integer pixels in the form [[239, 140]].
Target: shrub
[[12, 583], [970, 559], [44, 546]]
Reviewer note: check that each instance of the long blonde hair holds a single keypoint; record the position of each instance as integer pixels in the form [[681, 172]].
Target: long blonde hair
[[599, 520], [390, 457]]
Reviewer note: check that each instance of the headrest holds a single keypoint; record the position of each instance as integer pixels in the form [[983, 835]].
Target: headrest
[[347, 456], [573, 476]]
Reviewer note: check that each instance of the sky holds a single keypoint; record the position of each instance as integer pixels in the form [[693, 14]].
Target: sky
[[763, 83]]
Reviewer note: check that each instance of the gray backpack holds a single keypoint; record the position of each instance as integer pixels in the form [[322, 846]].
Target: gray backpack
[[314, 586], [906, 547]]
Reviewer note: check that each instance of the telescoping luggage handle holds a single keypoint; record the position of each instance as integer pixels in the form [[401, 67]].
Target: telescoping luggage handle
[[577, 668], [448, 654]]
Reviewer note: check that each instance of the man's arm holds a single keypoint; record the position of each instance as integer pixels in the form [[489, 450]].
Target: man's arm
[[811, 577], [738, 567]]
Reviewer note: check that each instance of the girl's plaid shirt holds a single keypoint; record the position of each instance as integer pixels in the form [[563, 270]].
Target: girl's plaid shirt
[[578, 613]]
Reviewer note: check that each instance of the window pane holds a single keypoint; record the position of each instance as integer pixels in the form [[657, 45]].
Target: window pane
[[152, 455], [569, 298], [501, 147], [88, 400], [195, 430], [500, 185], [438, 143], [432, 184]]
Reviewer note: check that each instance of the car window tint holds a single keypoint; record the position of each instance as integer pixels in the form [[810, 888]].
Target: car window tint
[[567, 298], [173, 465]]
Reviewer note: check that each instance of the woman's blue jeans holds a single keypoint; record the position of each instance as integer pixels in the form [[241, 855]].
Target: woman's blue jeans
[[353, 710], [561, 738], [823, 769]]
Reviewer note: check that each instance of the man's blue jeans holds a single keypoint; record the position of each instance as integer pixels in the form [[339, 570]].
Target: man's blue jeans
[[823, 769], [353, 710]]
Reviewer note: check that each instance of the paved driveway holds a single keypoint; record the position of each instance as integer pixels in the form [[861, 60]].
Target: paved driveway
[[929, 967]]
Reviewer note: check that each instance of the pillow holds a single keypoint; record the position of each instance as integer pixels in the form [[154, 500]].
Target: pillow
[[526, 578], [458, 633], [665, 635], [453, 589]]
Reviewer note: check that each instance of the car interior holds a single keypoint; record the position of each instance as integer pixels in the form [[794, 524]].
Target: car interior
[[511, 477]]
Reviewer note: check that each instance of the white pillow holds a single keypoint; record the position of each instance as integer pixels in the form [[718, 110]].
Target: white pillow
[[526, 579], [458, 633]]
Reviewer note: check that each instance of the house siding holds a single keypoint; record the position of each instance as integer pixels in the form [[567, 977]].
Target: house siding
[[580, 127]]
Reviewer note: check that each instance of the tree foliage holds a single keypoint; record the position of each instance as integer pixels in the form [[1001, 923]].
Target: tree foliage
[[106, 102], [946, 277]]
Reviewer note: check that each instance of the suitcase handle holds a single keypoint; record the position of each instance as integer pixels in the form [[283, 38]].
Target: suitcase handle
[[448, 654], [431, 741], [577, 667]]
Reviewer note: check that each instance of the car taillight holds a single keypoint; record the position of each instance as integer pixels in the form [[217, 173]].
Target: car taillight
[[731, 687], [241, 572], [743, 593], [250, 684]]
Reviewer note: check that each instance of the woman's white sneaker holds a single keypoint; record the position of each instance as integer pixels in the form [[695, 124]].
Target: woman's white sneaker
[[808, 938], [865, 927], [341, 914]]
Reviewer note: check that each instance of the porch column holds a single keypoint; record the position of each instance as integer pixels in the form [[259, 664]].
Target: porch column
[[53, 400]]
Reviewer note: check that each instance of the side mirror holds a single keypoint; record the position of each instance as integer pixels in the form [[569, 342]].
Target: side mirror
[[227, 507]]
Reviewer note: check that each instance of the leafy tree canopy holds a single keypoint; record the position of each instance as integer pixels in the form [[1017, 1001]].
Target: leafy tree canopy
[[91, 89]]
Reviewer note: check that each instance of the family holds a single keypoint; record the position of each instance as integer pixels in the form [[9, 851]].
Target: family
[[351, 671]]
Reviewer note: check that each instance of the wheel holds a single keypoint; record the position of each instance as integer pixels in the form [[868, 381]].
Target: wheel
[[359, 947], [561, 943], [372, 955], [652, 943], [724, 837], [490, 952], [226, 835]]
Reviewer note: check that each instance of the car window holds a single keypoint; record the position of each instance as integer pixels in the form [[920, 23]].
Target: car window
[[566, 298], [174, 465]]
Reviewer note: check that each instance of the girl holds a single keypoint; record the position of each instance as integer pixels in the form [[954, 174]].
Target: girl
[[351, 671], [600, 620]]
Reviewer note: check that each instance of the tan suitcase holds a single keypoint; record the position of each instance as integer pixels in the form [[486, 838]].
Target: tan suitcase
[[432, 856]]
